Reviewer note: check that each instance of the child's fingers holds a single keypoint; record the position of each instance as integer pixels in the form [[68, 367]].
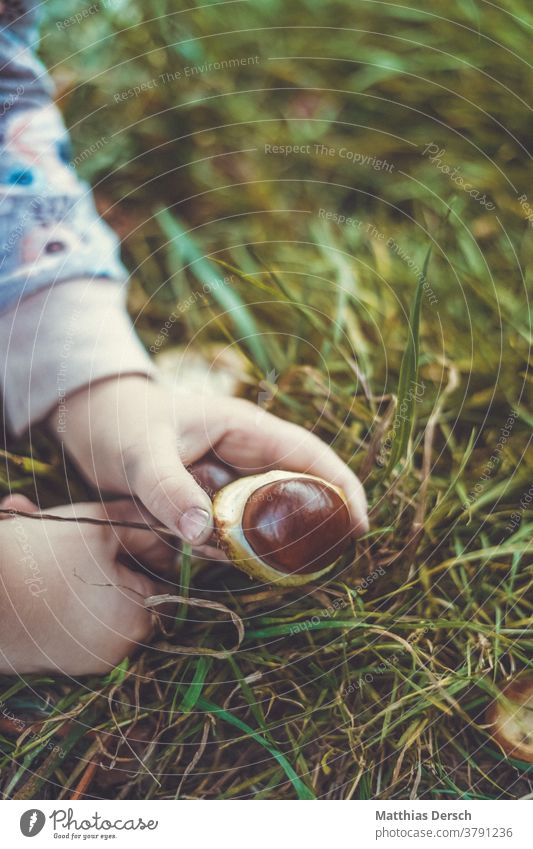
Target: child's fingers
[[112, 621], [152, 549], [17, 502], [157, 476], [84, 611], [155, 550]]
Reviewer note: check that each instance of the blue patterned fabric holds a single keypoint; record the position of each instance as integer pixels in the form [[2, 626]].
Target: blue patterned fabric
[[49, 228]]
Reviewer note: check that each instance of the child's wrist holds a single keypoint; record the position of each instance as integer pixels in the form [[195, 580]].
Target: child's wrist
[[81, 333]]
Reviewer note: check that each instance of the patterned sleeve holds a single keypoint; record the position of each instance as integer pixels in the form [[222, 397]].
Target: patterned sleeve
[[54, 339], [50, 231]]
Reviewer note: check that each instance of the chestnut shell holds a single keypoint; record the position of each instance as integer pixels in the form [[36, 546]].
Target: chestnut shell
[[511, 721], [228, 508], [297, 524]]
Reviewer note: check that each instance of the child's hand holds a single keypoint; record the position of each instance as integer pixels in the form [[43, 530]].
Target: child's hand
[[68, 604], [129, 435]]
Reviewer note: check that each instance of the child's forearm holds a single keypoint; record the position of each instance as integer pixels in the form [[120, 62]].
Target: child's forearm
[[58, 330]]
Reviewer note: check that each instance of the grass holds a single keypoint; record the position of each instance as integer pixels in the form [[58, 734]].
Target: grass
[[373, 684]]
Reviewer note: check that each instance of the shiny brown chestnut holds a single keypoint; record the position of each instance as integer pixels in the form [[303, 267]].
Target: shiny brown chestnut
[[212, 474], [510, 718], [282, 526]]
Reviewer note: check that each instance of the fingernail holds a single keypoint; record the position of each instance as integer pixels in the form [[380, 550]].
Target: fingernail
[[193, 524]]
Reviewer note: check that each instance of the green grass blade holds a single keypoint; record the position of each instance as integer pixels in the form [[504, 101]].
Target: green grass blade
[[408, 377], [185, 581], [301, 789], [203, 664], [249, 696], [187, 253]]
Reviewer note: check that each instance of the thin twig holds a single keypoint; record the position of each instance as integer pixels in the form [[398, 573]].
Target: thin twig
[[89, 520]]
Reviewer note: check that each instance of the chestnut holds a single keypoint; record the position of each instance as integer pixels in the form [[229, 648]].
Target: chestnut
[[284, 527], [510, 718], [212, 474]]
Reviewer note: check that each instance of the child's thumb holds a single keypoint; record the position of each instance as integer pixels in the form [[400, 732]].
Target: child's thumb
[[169, 491]]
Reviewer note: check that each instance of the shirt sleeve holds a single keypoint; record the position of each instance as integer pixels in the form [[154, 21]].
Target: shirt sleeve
[[52, 245], [49, 228], [59, 340]]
